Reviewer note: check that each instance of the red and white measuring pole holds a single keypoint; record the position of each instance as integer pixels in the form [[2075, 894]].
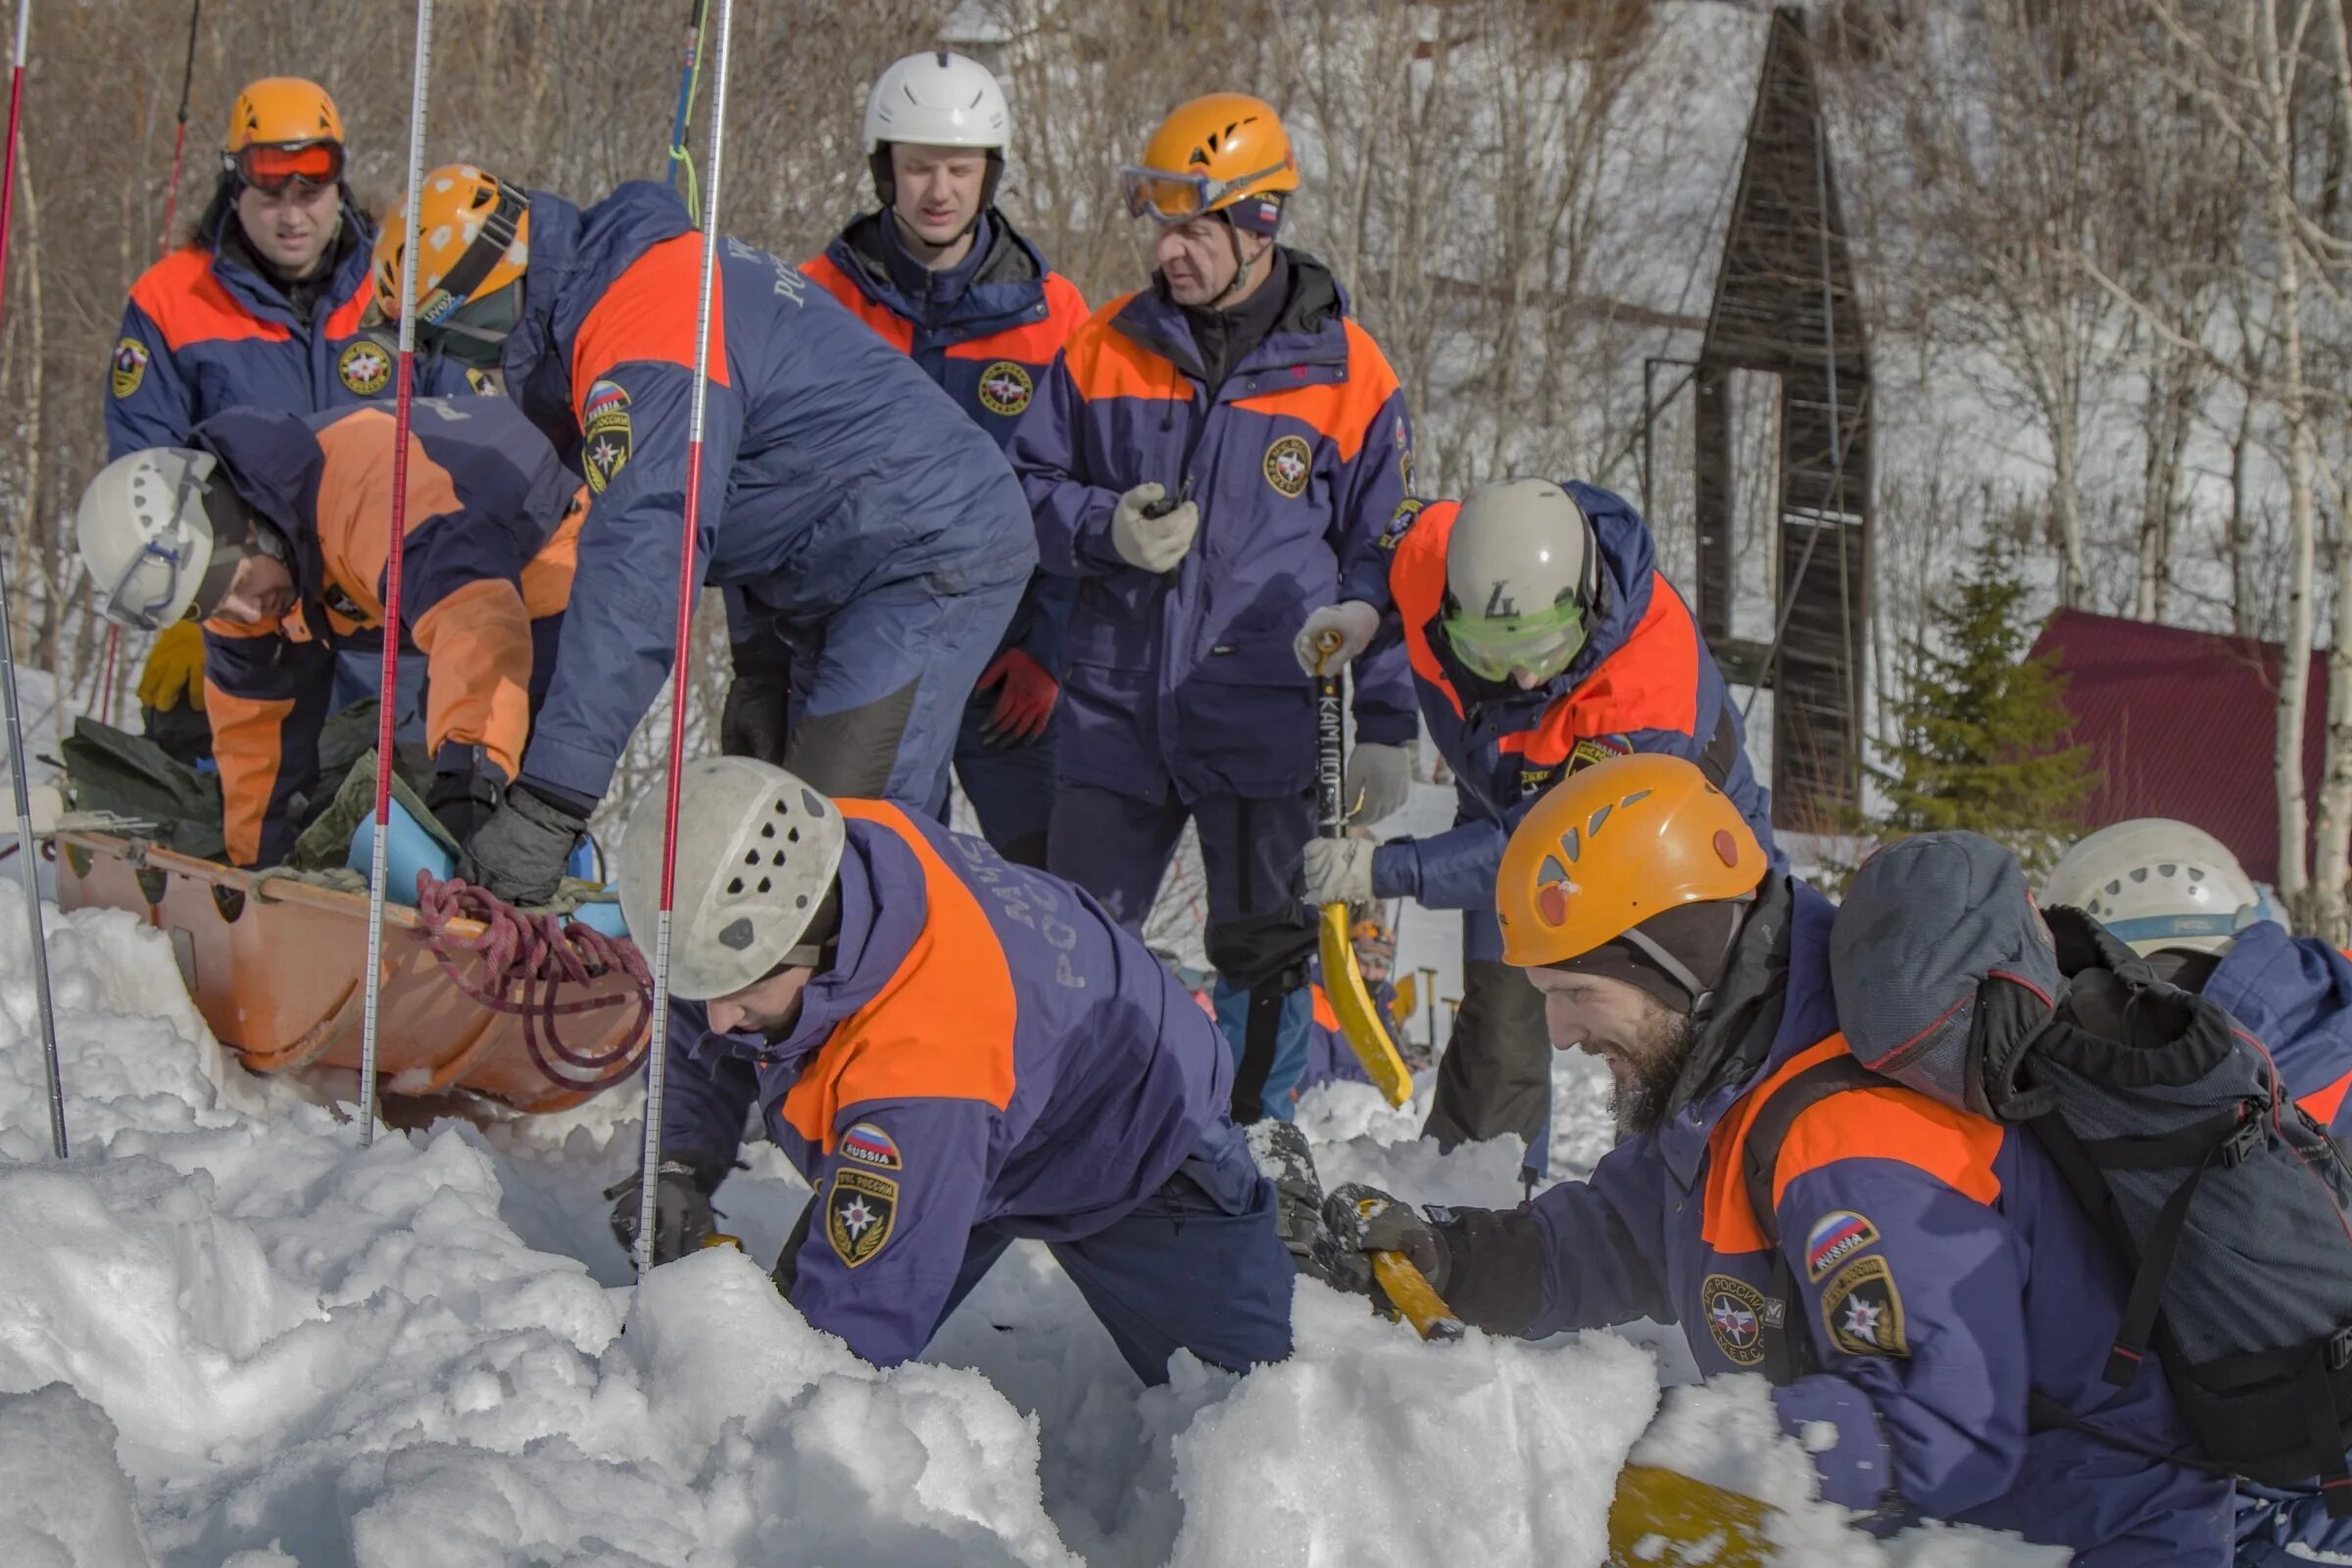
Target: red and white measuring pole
[[28, 865], [388, 705], [657, 1045]]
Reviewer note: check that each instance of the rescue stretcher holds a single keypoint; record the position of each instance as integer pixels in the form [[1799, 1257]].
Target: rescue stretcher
[[275, 965]]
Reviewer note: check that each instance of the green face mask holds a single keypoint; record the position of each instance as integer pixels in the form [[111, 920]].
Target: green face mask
[[1542, 642]]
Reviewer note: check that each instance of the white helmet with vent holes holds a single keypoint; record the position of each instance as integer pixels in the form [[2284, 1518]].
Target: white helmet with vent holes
[[2156, 884], [757, 850]]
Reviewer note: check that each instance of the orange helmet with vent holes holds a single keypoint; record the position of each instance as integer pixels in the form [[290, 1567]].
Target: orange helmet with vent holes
[[474, 239], [1211, 155], [1616, 843], [281, 112]]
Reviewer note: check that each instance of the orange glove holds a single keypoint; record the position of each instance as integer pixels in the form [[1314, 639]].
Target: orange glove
[[1025, 704]]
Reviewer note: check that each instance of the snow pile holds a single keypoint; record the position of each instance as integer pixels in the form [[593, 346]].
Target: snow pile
[[1490, 1450], [228, 1335]]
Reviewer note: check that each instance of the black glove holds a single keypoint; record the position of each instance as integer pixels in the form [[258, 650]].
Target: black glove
[[752, 722], [519, 851], [683, 1221], [1281, 1152], [1359, 1219], [1487, 1264], [462, 796]]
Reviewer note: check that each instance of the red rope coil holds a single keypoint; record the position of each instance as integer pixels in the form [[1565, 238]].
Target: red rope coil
[[525, 962]]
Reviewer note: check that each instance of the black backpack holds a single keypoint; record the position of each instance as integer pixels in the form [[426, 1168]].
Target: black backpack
[[2226, 1202]]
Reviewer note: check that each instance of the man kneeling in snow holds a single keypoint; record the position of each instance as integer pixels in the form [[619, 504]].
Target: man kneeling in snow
[[1923, 1272], [957, 1053]]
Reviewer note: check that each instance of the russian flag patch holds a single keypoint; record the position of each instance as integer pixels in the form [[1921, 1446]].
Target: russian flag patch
[[1835, 1237], [870, 1146]]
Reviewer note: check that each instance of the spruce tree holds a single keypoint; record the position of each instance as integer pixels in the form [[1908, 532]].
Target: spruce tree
[[1979, 725]]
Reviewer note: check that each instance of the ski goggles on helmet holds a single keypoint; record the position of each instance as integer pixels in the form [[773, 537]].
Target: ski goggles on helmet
[[1166, 197], [274, 166], [1542, 643]]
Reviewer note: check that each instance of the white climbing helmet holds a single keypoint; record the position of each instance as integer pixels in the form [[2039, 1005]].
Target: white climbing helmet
[[1522, 576], [2157, 884], [159, 534], [757, 853], [936, 99]]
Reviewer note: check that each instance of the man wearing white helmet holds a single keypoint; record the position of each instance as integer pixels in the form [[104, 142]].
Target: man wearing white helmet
[[2180, 900], [957, 1053], [943, 276], [1543, 639]]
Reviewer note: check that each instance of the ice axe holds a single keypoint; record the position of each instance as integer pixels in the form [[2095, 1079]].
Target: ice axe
[[1343, 981], [1410, 1292]]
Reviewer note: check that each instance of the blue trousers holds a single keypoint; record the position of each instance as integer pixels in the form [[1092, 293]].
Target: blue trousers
[[878, 692], [1260, 935], [1197, 1266], [360, 675], [1010, 787]]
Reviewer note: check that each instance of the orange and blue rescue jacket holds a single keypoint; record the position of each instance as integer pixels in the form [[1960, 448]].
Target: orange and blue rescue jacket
[[1643, 681], [986, 330], [1301, 466], [832, 467], [205, 331], [492, 528], [988, 1046], [1943, 1271]]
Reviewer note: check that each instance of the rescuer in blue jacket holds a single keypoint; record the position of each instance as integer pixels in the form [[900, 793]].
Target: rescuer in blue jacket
[[1218, 460], [862, 523], [944, 276], [1925, 1272], [957, 1051]]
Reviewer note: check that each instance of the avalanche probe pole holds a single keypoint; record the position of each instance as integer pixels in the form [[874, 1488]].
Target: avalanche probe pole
[[656, 1052], [180, 147], [17, 759], [388, 705]]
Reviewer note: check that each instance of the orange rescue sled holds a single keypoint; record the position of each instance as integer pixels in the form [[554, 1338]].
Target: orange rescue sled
[[275, 965]]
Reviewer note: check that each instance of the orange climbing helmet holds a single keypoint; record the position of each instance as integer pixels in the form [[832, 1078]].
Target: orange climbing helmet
[[1225, 153], [283, 128], [1615, 845], [474, 239]]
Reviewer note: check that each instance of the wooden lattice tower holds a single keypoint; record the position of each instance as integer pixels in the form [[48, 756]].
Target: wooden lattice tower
[[1784, 304]]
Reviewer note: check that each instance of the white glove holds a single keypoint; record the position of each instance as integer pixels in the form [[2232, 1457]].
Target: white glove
[[1339, 870], [1154, 544], [1352, 620], [1379, 778]]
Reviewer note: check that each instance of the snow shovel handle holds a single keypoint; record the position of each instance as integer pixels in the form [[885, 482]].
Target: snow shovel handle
[[1331, 772]]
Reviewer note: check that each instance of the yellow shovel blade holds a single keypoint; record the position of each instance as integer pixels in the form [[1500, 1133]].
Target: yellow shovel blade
[[1358, 1015], [1661, 1519]]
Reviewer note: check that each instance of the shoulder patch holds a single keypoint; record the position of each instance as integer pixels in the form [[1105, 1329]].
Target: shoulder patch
[[604, 429], [869, 1144], [1400, 523], [1834, 1238], [859, 1211], [129, 366], [1863, 1312], [1598, 749], [1005, 388], [1289, 463], [1735, 1313], [363, 368]]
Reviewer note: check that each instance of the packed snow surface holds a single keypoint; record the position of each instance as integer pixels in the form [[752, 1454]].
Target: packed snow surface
[[230, 1335]]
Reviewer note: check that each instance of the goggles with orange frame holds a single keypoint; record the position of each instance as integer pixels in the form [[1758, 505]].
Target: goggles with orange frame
[[274, 166]]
